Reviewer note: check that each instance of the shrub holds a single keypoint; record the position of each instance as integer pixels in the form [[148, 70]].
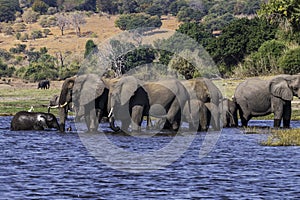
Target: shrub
[[29, 16], [36, 34], [19, 27], [37, 71], [5, 70], [290, 61], [265, 60], [18, 49]]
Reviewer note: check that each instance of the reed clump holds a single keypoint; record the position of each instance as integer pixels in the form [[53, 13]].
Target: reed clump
[[290, 137]]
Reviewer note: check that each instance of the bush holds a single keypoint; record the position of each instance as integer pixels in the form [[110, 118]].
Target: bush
[[36, 34], [265, 60], [290, 61], [20, 48], [5, 70], [29, 16], [36, 71]]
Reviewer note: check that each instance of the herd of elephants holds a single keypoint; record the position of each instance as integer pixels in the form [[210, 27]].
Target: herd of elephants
[[198, 102]]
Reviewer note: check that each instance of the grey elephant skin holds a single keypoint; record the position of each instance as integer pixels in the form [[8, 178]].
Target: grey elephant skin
[[89, 96], [131, 99], [203, 91], [198, 116], [256, 97], [229, 113], [44, 84], [24, 120]]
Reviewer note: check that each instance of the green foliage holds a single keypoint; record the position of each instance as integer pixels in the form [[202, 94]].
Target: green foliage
[[39, 6], [36, 34], [4, 54], [265, 60], [187, 14], [37, 71], [135, 21], [278, 10], [240, 38], [20, 48], [290, 61], [5, 70], [8, 9], [196, 31], [90, 47]]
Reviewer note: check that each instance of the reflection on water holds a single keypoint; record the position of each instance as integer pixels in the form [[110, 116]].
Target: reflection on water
[[51, 165]]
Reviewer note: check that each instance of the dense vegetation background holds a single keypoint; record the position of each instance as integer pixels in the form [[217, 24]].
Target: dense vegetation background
[[244, 37]]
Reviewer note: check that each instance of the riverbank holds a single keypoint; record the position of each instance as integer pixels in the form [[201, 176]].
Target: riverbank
[[17, 94]]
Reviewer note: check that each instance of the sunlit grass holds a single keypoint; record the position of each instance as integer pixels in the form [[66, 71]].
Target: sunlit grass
[[15, 100], [289, 137]]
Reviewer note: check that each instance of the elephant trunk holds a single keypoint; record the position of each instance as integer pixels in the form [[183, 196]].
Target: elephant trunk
[[112, 121]]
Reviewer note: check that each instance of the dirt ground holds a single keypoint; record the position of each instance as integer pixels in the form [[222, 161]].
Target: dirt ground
[[16, 83]]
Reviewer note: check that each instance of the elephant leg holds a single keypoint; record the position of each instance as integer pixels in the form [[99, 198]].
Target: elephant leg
[[244, 115], [62, 119], [174, 115], [287, 114], [278, 107], [136, 117]]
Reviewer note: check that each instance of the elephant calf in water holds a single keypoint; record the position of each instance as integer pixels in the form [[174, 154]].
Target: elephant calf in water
[[24, 120]]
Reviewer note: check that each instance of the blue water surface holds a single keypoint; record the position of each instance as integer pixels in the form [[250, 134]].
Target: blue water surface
[[52, 165]]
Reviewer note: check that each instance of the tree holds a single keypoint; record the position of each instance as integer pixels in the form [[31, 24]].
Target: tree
[[77, 19], [29, 16], [62, 22], [240, 38], [139, 20], [40, 6], [90, 47], [278, 10], [8, 9]]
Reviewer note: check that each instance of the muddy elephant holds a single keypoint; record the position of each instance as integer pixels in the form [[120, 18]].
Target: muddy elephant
[[89, 96], [44, 84], [133, 99], [204, 90], [256, 97], [24, 120], [229, 113]]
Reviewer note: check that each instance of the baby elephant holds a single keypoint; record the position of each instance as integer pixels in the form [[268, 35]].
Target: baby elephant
[[24, 120], [229, 113]]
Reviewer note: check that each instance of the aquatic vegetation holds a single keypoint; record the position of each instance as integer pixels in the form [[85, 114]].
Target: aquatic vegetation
[[290, 137]]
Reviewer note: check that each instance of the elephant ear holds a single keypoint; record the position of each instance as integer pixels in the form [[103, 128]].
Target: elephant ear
[[128, 87], [87, 88], [66, 87], [279, 88]]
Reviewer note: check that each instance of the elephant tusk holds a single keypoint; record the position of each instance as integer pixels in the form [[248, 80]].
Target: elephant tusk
[[63, 105], [110, 113], [53, 106]]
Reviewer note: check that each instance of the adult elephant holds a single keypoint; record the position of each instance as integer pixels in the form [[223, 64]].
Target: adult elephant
[[205, 91], [132, 99], [256, 97], [197, 116], [89, 95], [44, 84], [24, 120]]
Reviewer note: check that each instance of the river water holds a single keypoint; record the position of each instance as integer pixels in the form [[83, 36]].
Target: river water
[[51, 165]]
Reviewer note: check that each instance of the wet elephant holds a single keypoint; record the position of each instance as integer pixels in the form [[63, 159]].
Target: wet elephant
[[89, 96], [229, 113], [135, 99], [24, 120], [256, 97], [197, 116], [204, 90], [44, 84]]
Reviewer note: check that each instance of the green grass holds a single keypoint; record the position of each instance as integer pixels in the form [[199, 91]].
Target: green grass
[[14, 100], [289, 137]]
